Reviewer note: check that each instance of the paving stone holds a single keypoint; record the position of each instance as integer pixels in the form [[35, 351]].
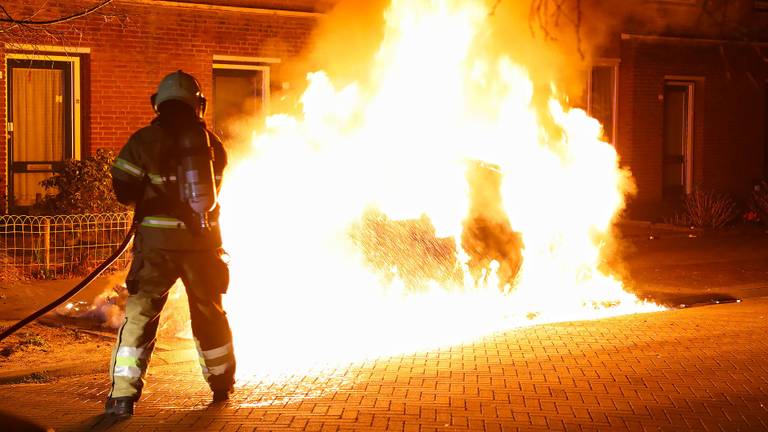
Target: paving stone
[[702, 368]]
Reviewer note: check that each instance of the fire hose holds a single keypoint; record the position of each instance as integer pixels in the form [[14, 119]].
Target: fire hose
[[197, 188], [79, 287]]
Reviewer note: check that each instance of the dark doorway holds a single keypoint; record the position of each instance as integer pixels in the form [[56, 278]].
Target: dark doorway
[[602, 98], [678, 139]]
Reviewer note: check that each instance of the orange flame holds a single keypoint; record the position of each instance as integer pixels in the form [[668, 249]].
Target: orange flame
[[400, 141]]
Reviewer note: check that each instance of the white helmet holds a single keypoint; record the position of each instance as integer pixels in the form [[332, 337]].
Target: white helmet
[[183, 87]]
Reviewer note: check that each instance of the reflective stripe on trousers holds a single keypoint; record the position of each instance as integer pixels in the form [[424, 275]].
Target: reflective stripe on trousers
[[130, 362], [216, 361]]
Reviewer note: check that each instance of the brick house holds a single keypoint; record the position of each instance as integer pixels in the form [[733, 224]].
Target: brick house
[[681, 88], [88, 85]]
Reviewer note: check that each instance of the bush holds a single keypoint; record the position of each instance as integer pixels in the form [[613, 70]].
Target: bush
[[759, 202], [80, 186], [706, 209]]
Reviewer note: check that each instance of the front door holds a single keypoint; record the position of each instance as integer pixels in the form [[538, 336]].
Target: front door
[[678, 139], [40, 125]]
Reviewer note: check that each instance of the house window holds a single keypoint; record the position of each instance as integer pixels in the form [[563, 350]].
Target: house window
[[603, 97], [240, 98], [43, 103]]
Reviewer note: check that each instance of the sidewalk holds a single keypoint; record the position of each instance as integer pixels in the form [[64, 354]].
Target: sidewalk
[[693, 369], [60, 345], [674, 266], [19, 299], [702, 368]]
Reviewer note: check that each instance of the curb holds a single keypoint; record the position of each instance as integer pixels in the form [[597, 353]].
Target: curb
[[163, 358], [657, 225], [37, 376]]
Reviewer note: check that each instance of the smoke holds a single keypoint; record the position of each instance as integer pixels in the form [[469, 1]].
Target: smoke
[[344, 43], [107, 308], [556, 40]]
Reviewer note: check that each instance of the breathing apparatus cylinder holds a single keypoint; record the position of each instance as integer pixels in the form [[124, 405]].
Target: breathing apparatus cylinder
[[197, 186]]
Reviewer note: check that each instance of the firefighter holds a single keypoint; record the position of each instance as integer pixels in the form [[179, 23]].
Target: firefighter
[[177, 238]]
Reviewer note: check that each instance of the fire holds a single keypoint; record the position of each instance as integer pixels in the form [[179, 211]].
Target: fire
[[429, 203]]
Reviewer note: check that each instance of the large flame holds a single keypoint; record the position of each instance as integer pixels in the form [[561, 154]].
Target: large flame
[[322, 217]]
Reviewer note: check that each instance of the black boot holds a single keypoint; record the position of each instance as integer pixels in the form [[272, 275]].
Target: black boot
[[222, 394], [222, 385], [119, 407]]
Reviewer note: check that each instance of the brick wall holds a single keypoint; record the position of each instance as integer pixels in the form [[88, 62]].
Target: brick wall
[[712, 19], [3, 142], [137, 44], [729, 126], [304, 5], [134, 47]]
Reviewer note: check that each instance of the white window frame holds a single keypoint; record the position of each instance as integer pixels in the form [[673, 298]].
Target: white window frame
[[265, 85], [263, 64], [76, 105], [613, 63]]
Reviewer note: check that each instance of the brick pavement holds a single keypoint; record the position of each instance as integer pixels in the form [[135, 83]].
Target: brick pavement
[[703, 368]]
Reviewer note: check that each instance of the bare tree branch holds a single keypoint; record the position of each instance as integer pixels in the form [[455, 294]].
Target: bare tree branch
[[546, 15], [495, 6], [577, 24], [11, 19], [65, 31]]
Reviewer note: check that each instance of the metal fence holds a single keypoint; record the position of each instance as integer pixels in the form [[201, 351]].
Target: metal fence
[[49, 247]]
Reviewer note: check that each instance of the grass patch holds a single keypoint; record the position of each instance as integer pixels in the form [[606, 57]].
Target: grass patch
[[33, 378], [33, 340], [26, 341]]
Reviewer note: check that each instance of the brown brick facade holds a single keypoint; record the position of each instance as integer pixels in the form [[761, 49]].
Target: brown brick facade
[[729, 112], [138, 43], [135, 42]]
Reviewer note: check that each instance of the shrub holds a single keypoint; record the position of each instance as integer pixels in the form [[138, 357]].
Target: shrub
[[80, 186], [759, 201], [706, 209]]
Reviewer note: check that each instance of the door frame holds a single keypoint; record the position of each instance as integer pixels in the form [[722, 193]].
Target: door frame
[[75, 109], [613, 63], [688, 151]]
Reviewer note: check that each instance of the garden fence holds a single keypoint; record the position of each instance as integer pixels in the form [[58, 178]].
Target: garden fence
[[49, 247]]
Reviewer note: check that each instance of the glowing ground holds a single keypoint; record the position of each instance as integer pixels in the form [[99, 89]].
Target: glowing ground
[[694, 369]]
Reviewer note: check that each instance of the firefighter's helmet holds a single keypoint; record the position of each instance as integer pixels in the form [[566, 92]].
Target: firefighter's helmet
[[183, 87]]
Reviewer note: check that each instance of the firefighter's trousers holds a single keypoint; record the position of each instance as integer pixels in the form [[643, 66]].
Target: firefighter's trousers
[[152, 274]]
